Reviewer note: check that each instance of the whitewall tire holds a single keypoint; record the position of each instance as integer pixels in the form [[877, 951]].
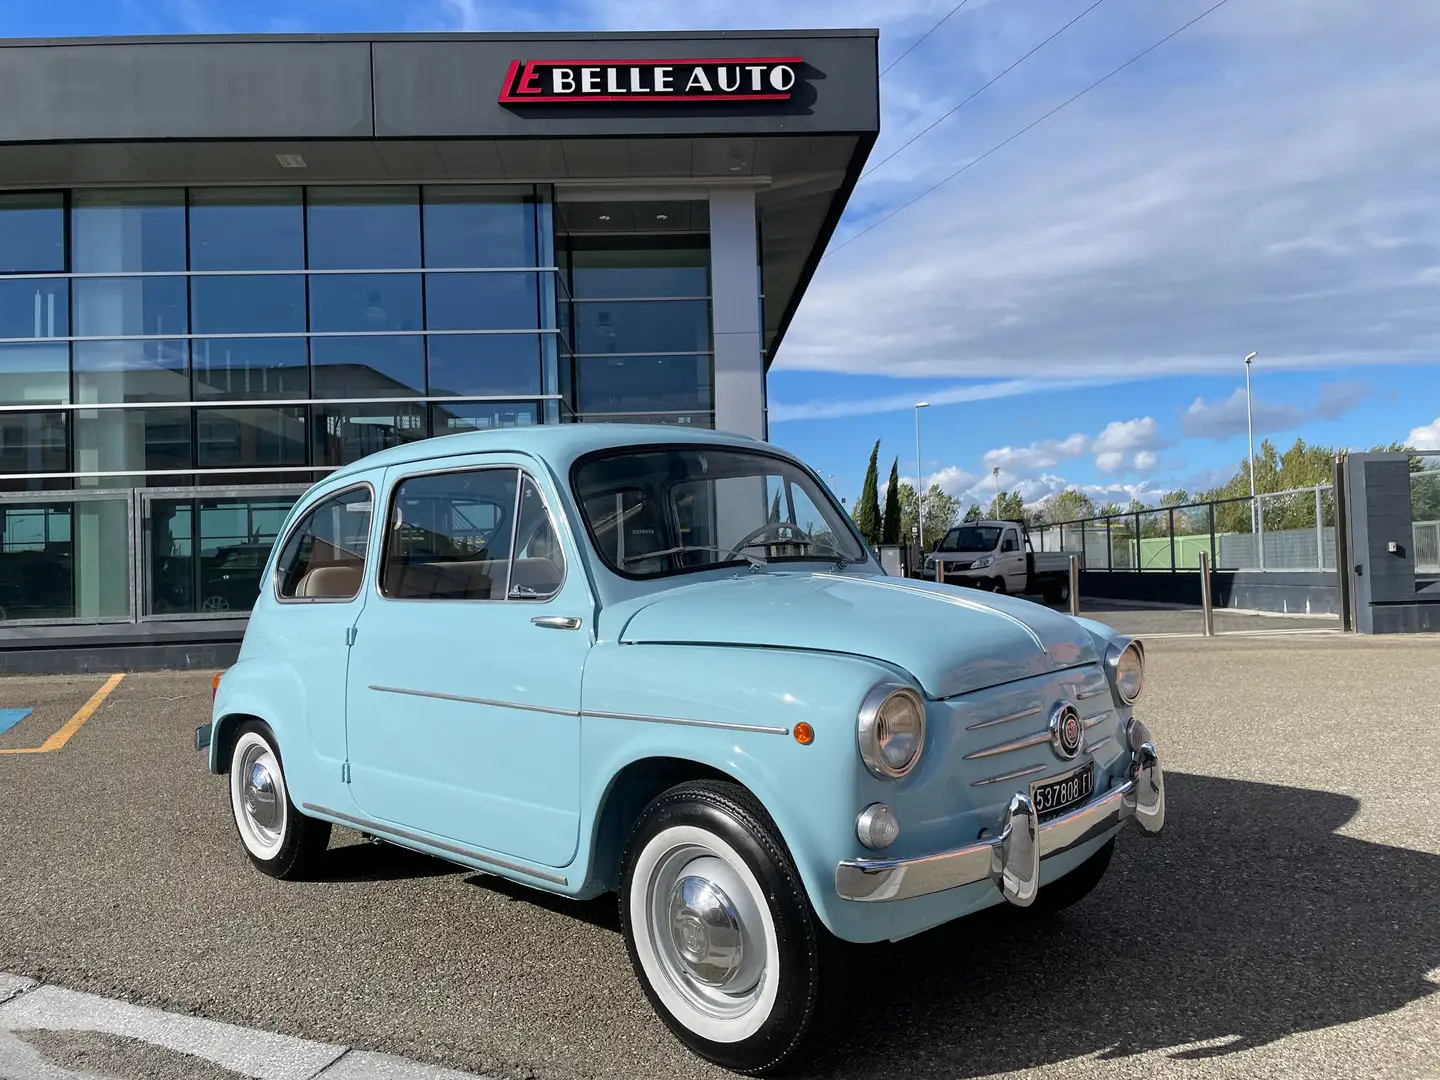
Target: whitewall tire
[[280, 840], [719, 929]]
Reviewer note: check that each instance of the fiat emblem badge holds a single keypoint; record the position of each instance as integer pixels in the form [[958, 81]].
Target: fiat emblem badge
[[1067, 734]]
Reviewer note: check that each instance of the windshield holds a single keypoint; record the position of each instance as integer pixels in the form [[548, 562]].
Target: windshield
[[972, 538], [652, 510]]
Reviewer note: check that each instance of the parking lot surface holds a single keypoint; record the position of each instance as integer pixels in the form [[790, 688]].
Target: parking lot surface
[[1284, 924]]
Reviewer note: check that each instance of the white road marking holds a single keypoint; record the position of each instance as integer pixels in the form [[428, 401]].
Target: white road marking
[[263, 1055]]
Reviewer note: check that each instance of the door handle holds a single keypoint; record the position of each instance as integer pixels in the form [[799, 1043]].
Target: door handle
[[557, 622]]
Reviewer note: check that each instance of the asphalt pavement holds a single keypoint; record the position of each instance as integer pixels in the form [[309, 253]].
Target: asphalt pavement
[[1283, 925]]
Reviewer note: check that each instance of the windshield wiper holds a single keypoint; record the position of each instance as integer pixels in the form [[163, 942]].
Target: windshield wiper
[[730, 556]]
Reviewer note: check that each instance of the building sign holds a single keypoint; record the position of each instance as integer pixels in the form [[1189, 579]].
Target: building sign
[[769, 78]]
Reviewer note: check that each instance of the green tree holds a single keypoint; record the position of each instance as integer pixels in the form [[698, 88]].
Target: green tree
[[975, 512], [941, 513], [1007, 506], [1110, 510], [890, 533], [1068, 505], [1136, 507], [867, 507], [1178, 497]]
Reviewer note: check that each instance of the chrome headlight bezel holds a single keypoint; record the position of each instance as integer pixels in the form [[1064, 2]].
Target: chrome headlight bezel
[[1113, 657], [868, 730]]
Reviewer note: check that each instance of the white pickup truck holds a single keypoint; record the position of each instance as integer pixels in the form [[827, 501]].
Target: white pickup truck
[[998, 556]]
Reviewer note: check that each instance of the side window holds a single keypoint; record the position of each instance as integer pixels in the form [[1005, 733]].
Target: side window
[[1009, 543], [449, 536], [324, 559], [539, 565]]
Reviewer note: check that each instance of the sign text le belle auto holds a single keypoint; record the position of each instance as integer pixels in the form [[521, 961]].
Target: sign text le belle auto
[[755, 79]]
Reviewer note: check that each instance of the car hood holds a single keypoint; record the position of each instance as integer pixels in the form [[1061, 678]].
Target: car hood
[[951, 641]]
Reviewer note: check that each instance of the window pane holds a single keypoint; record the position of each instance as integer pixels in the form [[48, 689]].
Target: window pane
[[364, 302], [629, 384], [247, 305], [37, 578], [482, 302], [642, 267], [114, 307], [364, 228], [251, 368], [233, 537], [325, 556], [34, 308], [346, 433], [371, 367], [449, 536], [131, 371], [499, 364], [127, 230], [639, 327], [249, 438], [116, 440], [34, 373], [32, 443], [479, 226], [481, 416], [539, 564], [247, 229], [32, 232]]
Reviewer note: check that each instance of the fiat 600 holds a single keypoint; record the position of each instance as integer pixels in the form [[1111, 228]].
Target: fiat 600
[[664, 664]]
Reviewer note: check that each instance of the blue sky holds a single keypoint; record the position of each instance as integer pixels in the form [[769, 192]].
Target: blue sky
[[1078, 304]]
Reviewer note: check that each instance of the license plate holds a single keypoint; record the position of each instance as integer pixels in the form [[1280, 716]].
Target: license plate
[[1052, 796]]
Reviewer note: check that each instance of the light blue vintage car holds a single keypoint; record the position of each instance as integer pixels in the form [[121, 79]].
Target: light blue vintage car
[[662, 663]]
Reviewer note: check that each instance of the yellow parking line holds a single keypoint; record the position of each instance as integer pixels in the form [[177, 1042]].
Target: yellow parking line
[[75, 723]]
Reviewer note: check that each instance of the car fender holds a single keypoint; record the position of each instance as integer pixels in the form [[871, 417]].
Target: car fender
[[271, 690]]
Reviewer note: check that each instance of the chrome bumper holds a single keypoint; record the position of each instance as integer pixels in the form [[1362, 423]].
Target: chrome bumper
[[1012, 859]]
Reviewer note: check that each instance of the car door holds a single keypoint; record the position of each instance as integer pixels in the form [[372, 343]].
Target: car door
[[464, 701], [1012, 561]]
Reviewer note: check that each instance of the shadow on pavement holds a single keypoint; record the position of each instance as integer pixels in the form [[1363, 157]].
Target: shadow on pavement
[[380, 862], [1247, 920]]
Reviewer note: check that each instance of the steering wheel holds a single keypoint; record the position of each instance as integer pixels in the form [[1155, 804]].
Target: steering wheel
[[792, 534]]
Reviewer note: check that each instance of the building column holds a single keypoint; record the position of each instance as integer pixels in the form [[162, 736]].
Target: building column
[[735, 305]]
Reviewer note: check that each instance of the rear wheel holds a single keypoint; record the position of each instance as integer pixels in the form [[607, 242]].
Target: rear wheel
[[719, 928], [280, 841]]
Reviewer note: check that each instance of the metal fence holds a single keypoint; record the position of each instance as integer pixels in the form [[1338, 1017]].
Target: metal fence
[[1284, 530]]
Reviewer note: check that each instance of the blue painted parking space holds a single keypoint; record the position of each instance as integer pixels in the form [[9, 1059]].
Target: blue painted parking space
[[10, 717]]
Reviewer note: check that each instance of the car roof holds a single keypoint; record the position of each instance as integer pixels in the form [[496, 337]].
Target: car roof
[[558, 444]]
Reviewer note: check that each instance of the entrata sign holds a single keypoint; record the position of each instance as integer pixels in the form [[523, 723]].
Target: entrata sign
[[769, 78]]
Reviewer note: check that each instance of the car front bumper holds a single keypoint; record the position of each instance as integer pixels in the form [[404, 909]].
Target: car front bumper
[[1012, 859]]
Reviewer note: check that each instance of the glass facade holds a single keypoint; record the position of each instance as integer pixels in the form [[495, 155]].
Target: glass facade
[[159, 339]]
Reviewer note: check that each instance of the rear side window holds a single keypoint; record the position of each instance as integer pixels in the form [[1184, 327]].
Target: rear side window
[[324, 558]]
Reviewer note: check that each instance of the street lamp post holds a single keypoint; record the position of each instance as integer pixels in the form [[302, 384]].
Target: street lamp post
[[920, 478], [995, 472], [1250, 428]]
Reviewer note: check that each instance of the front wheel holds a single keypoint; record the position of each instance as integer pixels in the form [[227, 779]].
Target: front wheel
[[280, 841], [719, 928]]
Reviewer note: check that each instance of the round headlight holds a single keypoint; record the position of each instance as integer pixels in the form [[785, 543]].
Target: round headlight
[[892, 730], [1127, 669]]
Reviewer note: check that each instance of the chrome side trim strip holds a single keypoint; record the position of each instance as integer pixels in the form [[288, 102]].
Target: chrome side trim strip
[[1004, 748], [475, 700], [1093, 747], [723, 725], [439, 845], [1099, 718], [1010, 775], [760, 728], [1005, 719], [1090, 693]]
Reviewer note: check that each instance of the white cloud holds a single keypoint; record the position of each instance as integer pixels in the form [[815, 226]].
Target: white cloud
[[1040, 455], [1145, 460], [1121, 436], [953, 480], [1426, 437], [836, 408], [1226, 418], [1109, 461]]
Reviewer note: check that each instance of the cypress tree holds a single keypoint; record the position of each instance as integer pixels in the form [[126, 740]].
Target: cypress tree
[[867, 510], [891, 533]]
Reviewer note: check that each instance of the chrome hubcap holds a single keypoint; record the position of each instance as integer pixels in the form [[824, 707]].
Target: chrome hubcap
[[259, 794], [260, 798], [705, 929]]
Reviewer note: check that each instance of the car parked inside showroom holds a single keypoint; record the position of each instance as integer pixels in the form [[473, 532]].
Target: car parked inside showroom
[[662, 663]]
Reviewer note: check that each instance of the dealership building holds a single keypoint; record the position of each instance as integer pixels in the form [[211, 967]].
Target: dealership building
[[229, 265]]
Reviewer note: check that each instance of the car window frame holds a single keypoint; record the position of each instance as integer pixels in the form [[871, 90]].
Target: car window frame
[[1012, 535], [289, 534], [522, 474], [580, 462]]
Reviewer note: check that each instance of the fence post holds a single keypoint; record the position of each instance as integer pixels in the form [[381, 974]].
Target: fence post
[[1109, 543], [1319, 530], [1139, 550], [1214, 547], [1207, 601], [1075, 585], [1171, 516], [1259, 512]]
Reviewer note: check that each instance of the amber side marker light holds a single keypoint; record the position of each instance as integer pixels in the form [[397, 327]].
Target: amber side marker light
[[804, 733], [215, 685]]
